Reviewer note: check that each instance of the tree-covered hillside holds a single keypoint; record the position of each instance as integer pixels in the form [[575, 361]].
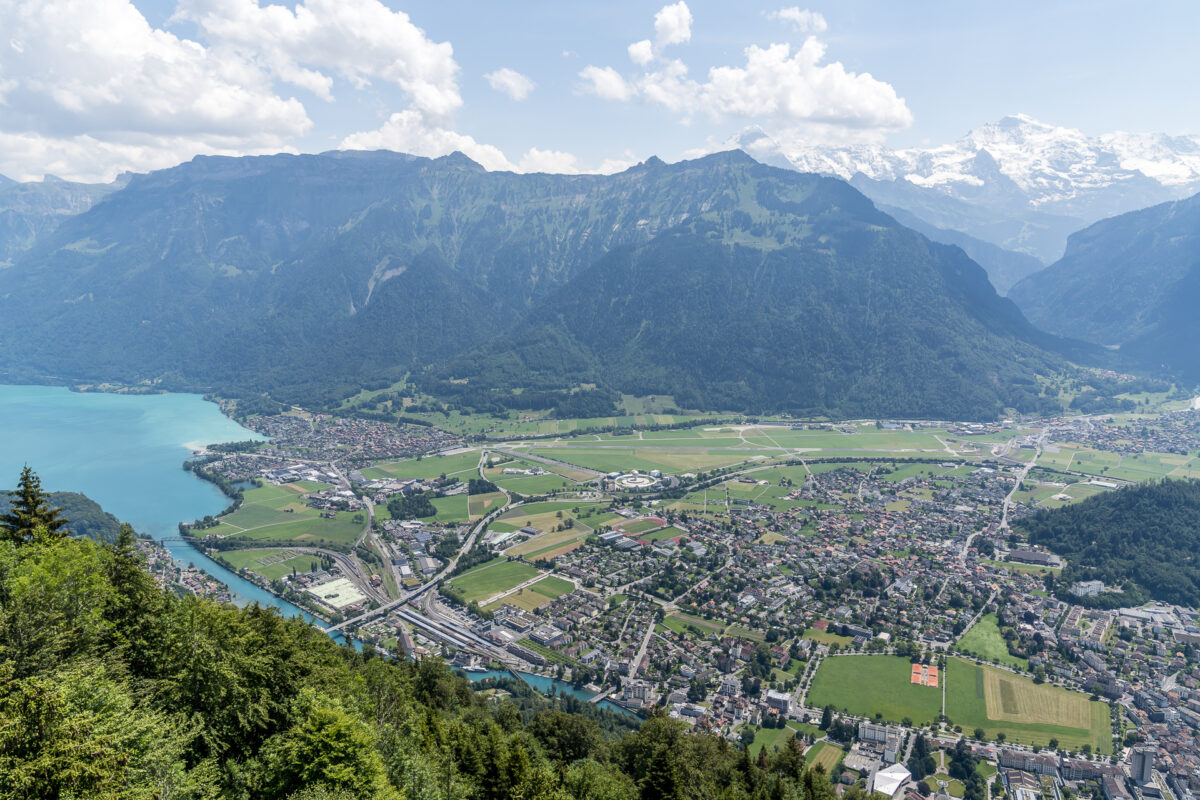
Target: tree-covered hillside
[[113, 690], [1145, 537], [310, 277]]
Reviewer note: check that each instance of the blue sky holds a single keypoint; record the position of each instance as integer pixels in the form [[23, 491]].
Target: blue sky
[[92, 87]]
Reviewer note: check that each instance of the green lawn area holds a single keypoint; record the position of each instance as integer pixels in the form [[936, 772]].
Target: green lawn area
[[826, 754], [870, 685], [772, 738], [826, 637], [1026, 713], [984, 641], [493, 578]]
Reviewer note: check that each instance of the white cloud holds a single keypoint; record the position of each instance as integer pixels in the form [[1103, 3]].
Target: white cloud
[[673, 24], [794, 89], [91, 89], [804, 20], [410, 132], [641, 53], [358, 40], [554, 161], [778, 84], [510, 82], [605, 82]]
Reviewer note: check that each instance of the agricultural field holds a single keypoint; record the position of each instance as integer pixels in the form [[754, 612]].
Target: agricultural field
[[984, 641], [1104, 464], [870, 685], [481, 505], [491, 579], [277, 513], [1025, 712], [535, 596], [270, 564]]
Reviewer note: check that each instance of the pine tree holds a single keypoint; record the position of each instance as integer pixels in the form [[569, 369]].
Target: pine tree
[[30, 513]]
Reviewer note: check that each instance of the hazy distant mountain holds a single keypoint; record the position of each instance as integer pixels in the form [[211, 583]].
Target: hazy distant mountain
[[28, 210], [1132, 281], [1018, 183], [1004, 267], [720, 279]]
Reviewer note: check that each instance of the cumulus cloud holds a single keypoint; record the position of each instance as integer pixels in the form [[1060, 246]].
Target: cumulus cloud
[[641, 53], [510, 82], [794, 88], [802, 19], [90, 88], [409, 131], [605, 82], [357, 40], [554, 161], [673, 24]]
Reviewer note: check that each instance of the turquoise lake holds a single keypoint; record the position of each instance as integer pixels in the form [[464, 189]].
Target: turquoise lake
[[125, 452]]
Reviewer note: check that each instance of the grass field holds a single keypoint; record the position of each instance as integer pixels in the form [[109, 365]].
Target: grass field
[[460, 465], [493, 578], [870, 685], [825, 637], [1027, 713], [984, 641], [271, 564], [826, 754]]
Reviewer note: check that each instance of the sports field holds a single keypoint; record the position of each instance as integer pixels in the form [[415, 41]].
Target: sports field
[[824, 753], [870, 685], [1025, 712], [271, 564]]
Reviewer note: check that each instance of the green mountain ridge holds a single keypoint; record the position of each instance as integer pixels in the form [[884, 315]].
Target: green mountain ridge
[[312, 276]]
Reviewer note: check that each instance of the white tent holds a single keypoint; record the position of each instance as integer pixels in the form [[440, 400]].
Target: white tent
[[888, 781]]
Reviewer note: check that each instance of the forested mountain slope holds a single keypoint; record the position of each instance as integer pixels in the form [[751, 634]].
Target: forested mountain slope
[[311, 276]]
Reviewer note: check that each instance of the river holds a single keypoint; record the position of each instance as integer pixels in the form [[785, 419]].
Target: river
[[549, 686], [126, 453]]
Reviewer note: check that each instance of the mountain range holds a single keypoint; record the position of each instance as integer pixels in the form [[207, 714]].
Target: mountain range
[[1018, 183], [726, 282], [1131, 283]]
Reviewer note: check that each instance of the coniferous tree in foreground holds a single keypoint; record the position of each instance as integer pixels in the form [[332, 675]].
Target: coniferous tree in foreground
[[30, 512]]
